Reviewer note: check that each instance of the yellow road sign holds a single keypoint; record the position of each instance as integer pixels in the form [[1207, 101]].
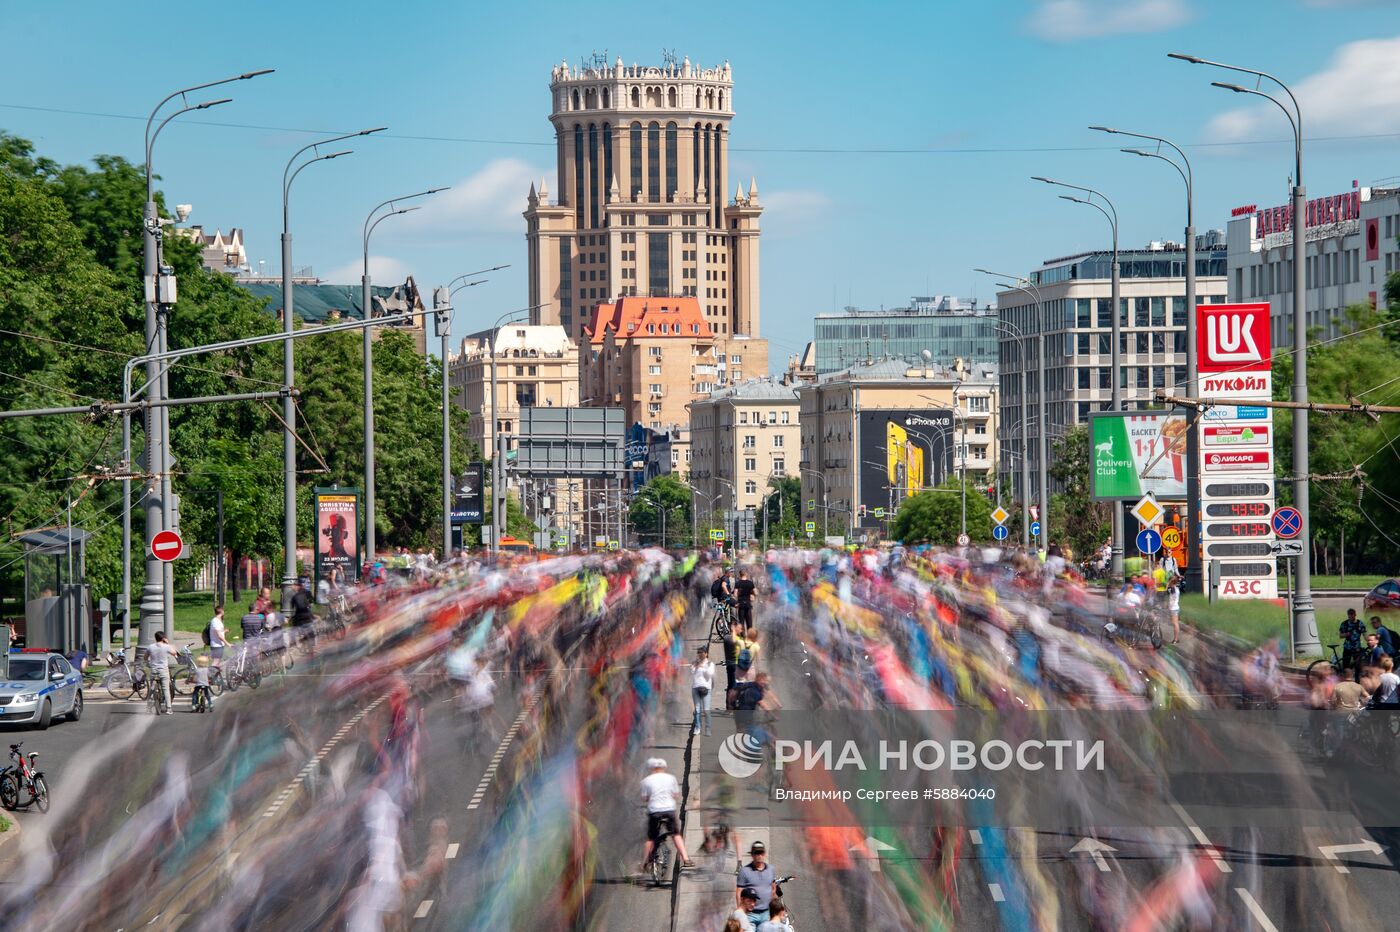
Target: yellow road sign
[[1000, 515], [1171, 538], [1147, 511]]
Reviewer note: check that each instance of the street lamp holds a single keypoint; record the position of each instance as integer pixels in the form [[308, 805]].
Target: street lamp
[[1115, 387], [1032, 291], [1305, 639], [826, 505], [498, 472], [289, 450], [1194, 570], [158, 597], [372, 221]]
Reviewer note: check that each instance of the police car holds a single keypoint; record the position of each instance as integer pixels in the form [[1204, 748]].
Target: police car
[[37, 686]]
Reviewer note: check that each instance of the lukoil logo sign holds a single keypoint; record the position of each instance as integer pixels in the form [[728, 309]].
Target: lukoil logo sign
[[1233, 337]]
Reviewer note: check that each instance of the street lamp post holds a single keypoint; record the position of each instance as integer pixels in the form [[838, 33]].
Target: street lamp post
[[157, 597], [1305, 638], [498, 469], [1032, 291], [289, 411], [826, 503], [1115, 288], [1194, 571], [1016, 333], [367, 349]]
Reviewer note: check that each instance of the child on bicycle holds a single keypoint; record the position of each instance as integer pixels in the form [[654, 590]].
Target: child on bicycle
[[201, 684]]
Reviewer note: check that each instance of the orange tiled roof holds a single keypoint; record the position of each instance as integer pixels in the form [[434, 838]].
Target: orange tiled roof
[[649, 317]]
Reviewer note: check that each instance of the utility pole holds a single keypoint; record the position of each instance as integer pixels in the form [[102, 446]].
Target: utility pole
[[442, 318]]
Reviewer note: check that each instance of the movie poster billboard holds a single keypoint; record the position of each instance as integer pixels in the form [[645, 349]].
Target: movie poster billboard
[[901, 451], [337, 512]]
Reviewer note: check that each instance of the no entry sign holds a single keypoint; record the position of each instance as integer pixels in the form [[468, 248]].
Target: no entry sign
[[166, 546]]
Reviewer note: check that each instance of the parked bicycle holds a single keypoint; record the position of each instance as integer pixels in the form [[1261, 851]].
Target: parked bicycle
[[1132, 626], [242, 668], [123, 680], [1318, 669], [23, 776], [722, 622]]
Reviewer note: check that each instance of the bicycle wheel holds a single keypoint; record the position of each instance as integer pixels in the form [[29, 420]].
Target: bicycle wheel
[[660, 862], [1155, 636], [141, 685], [216, 682], [9, 790], [183, 682], [253, 677], [41, 794], [1319, 671], [118, 683]]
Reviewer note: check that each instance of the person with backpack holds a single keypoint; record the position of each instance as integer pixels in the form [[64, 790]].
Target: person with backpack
[[746, 658], [216, 635]]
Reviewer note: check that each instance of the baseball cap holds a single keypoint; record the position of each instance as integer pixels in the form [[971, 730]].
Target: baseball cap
[[656, 762], [758, 847], [748, 893]]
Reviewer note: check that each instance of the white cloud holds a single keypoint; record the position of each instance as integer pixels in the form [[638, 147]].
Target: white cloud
[[796, 205], [1359, 92], [487, 201], [383, 270], [1071, 20]]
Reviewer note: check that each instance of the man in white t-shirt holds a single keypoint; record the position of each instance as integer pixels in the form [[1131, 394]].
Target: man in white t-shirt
[[662, 794], [218, 635]]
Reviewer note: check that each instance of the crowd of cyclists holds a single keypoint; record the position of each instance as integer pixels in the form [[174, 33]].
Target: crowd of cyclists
[[597, 655]]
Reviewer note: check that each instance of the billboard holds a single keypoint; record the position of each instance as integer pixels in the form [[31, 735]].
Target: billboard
[[571, 443], [901, 450], [467, 495], [337, 514], [1134, 454]]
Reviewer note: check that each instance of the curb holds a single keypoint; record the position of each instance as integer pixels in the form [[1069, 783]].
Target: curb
[[8, 837]]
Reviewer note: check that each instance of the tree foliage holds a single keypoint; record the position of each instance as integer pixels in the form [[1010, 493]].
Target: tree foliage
[[1075, 519], [784, 509], [71, 314], [935, 516], [662, 493]]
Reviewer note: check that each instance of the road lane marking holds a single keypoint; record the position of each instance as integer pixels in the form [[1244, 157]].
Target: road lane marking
[[997, 895], [452, 850], [975, 835], [1255, 910], [502, 748], [423, 907], [1201, 839], [326, 748], [1333, 853]]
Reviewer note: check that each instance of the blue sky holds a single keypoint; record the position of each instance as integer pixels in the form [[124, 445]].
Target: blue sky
[[984, 94]]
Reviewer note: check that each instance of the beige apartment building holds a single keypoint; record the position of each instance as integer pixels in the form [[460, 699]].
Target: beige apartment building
[[642, 171], [535, 366], [654, 357], [878, 432], [740, 437]]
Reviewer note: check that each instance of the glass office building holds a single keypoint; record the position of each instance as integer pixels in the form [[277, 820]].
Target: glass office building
[[945, 326]]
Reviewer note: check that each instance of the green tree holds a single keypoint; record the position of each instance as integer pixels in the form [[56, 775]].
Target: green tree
[[935, 516], [784, 509], [1075, 519], [668, 493]]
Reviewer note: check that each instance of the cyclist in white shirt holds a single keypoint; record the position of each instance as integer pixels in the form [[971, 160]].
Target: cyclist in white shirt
[[662, 794]]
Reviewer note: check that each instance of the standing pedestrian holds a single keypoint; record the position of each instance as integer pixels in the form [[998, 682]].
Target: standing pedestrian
[[744, 594], [1174, 606], [756, 877], [216, 635], [702, 682], [158, 655]]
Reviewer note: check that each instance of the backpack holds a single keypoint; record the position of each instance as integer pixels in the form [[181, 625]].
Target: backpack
[[749, 698], [205, 634], [717, 588], [745, 658]]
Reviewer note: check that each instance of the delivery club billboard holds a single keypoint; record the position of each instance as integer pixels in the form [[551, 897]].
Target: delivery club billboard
[[901, 450], [1134, 454]]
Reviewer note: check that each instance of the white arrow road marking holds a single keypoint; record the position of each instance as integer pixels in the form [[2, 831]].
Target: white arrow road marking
[[875, 845], [1201, 839], [1095, 849], [1332, 852]]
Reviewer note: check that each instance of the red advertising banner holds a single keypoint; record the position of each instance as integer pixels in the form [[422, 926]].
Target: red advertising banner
[[1233, 337], [1238, 461]]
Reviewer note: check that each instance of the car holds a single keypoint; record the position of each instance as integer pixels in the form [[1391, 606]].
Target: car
[[37, 686], [1385, 596]]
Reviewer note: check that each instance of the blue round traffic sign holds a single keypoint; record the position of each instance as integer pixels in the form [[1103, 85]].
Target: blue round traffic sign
[[1288, 523], [999, 532], [1035, 528], [1148, 541]]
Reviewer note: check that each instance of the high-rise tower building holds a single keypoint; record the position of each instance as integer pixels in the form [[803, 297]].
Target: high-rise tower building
[[643, 166]]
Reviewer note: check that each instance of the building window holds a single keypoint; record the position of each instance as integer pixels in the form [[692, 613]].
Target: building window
[[592, 175], [750, 464], [659, 260], [777, 441], [654, 370], [654, 162], [654, 351], [750, 487], [655, 388], [779, 467], [785, 417], [671, 160], [743, 417], [979, 404], [578, 173], [772, 417], [750, 441]]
